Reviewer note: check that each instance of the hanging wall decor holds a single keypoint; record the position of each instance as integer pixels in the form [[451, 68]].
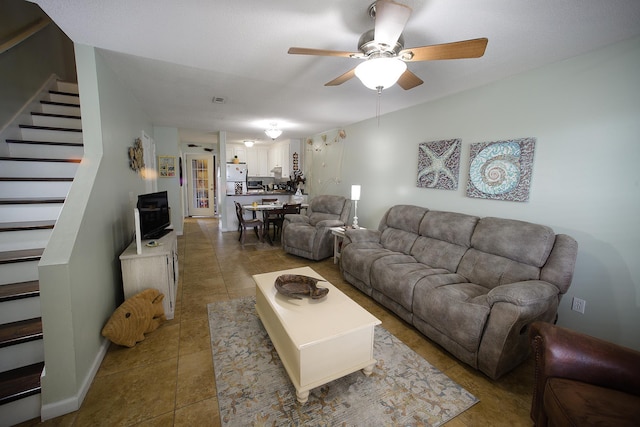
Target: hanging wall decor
[[136, 156], [167, 166], [501, 170], [439, 164]]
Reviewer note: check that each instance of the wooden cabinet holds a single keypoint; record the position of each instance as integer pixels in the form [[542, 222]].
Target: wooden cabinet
[[156, 267]]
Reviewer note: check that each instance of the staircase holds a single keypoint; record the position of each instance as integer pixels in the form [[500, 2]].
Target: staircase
[[34, 181]]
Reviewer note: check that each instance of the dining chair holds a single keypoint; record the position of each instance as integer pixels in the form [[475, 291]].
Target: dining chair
[[245, 224], [265, 218], [276, 217]]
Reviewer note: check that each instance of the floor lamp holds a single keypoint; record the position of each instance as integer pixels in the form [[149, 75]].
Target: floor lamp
[[355, 196]]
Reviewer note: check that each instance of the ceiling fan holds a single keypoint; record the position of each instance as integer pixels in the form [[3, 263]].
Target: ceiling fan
[[383, 52]]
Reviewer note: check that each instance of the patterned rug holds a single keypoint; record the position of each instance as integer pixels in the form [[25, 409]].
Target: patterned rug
[[254, 389]]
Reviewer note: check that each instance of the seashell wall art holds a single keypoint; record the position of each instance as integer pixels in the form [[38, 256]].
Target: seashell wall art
[[501, 170]]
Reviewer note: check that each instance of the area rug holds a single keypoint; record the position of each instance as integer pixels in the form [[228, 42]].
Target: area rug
[[254, 389]]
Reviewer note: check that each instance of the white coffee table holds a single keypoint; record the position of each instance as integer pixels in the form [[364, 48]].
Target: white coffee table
[[318, 341]]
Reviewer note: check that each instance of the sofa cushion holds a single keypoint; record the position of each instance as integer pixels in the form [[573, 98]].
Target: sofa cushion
[[437, 253], [398, 240], [517, 240], [396, 275], [459, 311], [574, 403], [325, 207], [404, 217], [492, 270], [357, 258], [452, 227]]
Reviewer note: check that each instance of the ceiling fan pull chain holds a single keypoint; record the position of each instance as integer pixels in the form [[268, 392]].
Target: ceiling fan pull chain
[[378, 105]]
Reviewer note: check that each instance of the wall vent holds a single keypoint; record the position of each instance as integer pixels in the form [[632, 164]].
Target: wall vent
[[218, 100]]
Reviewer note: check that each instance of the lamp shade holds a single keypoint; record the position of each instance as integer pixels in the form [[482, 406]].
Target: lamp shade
[[355, 192], [273, 133], [382, 73]]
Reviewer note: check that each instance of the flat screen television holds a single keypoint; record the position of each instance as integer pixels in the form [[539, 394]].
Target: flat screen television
[[154, 215]]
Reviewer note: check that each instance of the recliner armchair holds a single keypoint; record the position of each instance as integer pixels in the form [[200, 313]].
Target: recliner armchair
[[582, 380], [309, 235]]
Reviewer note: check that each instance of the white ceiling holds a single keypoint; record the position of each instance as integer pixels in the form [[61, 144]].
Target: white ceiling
[[177, 55]]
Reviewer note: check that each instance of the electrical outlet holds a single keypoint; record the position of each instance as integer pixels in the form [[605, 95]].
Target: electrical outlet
[[578, 305]]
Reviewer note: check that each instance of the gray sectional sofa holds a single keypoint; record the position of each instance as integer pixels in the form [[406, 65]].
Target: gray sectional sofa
[[473, 285]]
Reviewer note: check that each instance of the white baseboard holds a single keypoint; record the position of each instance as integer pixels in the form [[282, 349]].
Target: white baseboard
[[70, 404]]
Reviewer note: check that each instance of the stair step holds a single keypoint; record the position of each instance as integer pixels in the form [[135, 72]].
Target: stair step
[[36, 201], [56, 120], [34, 179], [20, 383], [23, 255], [34, 188], [53, 128], [57, 116], [59, 108], [59, 96], [62, 144], [33, 159], [61, 92], [69, 87], [39, 167], [22, 290], [26, 225], [15, 333], [60, 104]]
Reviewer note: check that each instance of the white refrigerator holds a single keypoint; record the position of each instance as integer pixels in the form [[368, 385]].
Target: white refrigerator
[[236, 178]]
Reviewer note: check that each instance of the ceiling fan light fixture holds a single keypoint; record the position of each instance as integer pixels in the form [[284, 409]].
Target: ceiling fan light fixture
[[248, 144], [380, 73], [273, 132]]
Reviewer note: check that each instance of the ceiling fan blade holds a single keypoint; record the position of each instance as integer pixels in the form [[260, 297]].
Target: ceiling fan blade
[[391, 17], [408, 80], [323, 52], [343, 78], [457, 50]]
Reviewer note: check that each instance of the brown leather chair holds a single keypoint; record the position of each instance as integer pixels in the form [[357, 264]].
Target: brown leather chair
[[583, 381], [244, 224]]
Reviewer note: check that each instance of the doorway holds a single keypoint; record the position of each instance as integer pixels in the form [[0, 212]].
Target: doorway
[[201, 185]]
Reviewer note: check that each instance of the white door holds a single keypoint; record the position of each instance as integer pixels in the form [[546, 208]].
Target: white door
[[201, 185]]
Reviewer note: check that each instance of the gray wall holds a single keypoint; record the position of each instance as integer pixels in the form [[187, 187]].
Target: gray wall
[[25, 67], [585, 114], [167, 144], [80, 274]]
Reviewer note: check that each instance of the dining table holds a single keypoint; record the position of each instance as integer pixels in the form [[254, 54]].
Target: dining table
[[262, 207]]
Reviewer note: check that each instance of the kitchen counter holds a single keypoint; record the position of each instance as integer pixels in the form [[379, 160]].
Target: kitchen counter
[[265, 193]]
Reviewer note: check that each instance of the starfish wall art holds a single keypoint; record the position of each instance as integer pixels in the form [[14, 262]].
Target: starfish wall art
[[439, 164]]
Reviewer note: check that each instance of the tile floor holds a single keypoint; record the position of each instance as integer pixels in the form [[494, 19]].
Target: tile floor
[[168, 379]]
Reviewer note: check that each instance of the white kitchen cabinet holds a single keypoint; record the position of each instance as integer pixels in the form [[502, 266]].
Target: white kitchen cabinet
[[279, 157], [156, 267], [240, 151], [258, 161]]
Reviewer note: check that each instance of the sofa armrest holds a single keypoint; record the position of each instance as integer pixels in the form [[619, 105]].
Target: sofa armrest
[[362, 235], [328, 223], [296, 218], [563, 353], [523, 294], [573, 355]]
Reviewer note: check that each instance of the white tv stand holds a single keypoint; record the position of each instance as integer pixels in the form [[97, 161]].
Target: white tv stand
[[154, 267]]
